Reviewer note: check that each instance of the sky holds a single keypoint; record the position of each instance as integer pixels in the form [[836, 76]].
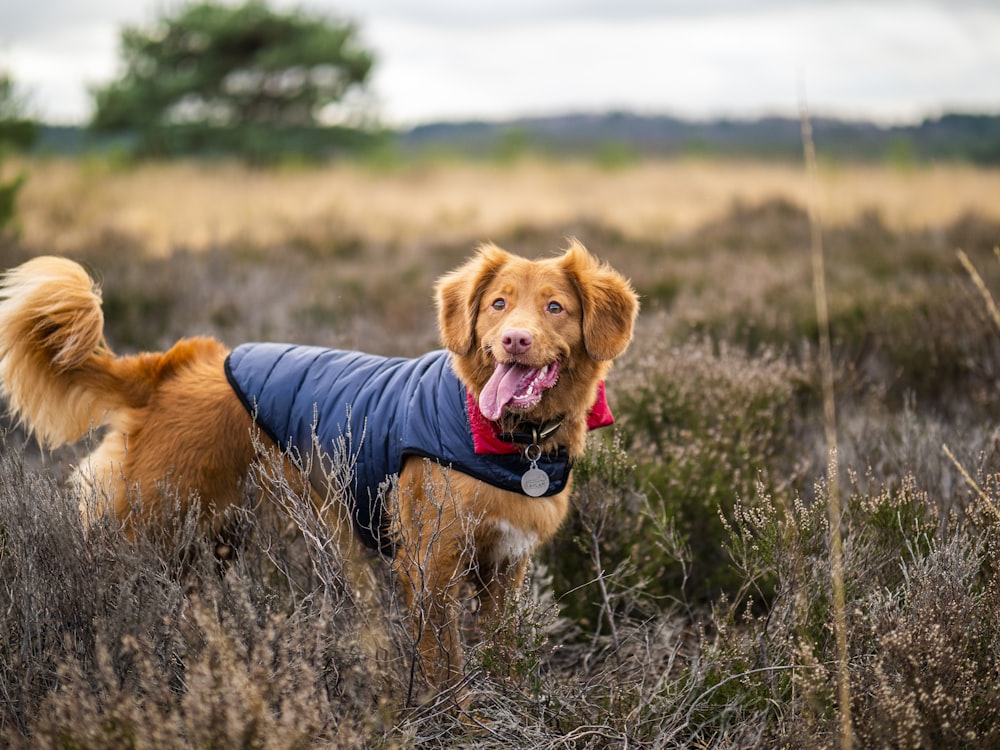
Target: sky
[[886, 60]]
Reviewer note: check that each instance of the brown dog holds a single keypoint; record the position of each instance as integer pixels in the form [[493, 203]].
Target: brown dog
[[529, 345]]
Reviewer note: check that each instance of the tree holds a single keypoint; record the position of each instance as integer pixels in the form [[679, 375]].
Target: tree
[[16, 132], [221, 78]]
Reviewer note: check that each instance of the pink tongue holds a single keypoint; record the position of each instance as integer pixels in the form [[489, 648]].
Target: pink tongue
[[501, 388]]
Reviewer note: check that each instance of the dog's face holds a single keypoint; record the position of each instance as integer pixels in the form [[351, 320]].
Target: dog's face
[[533, 338]]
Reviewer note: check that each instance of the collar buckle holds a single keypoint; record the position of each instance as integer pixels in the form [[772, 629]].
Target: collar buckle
[[530, 433]]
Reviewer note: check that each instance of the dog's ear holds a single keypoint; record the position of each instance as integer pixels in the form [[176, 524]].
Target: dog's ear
[[459, 294], [610, 305]]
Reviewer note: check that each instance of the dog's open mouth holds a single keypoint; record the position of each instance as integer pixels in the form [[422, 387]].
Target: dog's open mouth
[[515, 385]]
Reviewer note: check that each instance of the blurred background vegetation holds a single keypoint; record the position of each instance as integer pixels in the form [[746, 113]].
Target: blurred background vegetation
[[267, 85], [245, 191], [17, 133]]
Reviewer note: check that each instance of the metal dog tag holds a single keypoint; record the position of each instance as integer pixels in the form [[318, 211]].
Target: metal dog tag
[[534, 482]]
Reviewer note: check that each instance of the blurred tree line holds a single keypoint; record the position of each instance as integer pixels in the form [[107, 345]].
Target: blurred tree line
[[17, 132], [243, 80]]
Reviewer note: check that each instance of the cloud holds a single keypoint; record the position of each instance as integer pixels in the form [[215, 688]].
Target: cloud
[[463, 14], [32, 19], [455, 59], [856, 59]]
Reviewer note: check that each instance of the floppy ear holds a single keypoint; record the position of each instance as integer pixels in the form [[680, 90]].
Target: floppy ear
[[459, 294], [610, 305]]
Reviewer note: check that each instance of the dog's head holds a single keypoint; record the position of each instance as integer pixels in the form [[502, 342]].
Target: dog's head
[[533, 338]]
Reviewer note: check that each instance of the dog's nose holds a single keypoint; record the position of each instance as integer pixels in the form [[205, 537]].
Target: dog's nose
[[516, 340]]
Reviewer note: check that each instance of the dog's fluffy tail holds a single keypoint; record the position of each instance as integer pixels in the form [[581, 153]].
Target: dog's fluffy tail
[[56, 369]]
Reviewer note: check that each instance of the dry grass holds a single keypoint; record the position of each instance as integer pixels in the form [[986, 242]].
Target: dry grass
[[687, 601], [67, 206]]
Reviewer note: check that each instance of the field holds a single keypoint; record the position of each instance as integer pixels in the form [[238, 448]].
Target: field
[[688, 600]]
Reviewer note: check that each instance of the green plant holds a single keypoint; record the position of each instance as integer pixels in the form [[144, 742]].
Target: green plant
[[249, 80], [707, 427], [17, 132]]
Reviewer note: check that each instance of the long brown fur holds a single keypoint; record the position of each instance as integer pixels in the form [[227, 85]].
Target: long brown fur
[[174, 428]]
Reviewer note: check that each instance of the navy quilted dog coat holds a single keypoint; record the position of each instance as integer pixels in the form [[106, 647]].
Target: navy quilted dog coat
[[390, 407]]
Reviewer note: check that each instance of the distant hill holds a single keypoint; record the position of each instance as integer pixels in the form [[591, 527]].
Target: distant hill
[[71, 140], [620, 136], [967, 137]]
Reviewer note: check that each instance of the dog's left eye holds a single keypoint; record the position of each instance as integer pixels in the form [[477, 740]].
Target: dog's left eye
[[554, 307]]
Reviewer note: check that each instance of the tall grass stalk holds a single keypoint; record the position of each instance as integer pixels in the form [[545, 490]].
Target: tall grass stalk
[[991, 307], [991, 304], [988, 504], [830, 433]]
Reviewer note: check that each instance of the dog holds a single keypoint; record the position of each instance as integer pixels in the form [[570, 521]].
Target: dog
[[479, 437]]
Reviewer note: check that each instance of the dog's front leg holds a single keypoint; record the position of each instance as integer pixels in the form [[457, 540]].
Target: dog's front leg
[[499, 584], [433, 556], [433, 611]]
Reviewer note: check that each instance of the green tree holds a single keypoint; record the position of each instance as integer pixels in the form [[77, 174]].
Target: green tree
[[17, 132], [242, 79]]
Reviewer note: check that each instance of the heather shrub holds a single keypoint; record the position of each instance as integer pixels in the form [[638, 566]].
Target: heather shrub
[[108, 642], [930, 650], [603, 556], [687, 600], [706, 426], [924, 342], [921, 597]]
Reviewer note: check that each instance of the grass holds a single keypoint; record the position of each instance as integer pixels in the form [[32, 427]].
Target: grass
[[68, 206], [687, 601]]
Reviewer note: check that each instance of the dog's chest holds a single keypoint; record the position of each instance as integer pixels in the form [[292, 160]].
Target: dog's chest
[[511, 542]]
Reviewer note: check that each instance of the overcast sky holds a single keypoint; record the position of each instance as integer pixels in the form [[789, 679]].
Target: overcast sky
[[889, 60]]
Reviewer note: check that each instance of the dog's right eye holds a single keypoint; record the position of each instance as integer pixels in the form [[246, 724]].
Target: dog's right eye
[[499, 303]]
